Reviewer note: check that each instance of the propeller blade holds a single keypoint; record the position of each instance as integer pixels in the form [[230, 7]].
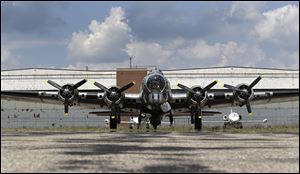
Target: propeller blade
[[192, 116], [113, 108], [248, 107], [232, 87], [254, 82], [101, 87], [55, 85], [186, 88], [66, 109], [198, 110], [229, 87], [209, 86], [77, 85], [124, 88]]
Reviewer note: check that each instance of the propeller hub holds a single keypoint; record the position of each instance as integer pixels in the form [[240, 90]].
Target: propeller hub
[[243, 92]]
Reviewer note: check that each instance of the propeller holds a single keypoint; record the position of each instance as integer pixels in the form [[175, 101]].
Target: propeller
[[244, 92], [114, 94], [197, 95], [67, 92], [197, 92]]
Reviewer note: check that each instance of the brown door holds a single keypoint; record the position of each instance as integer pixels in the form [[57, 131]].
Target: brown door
[[126, 75]]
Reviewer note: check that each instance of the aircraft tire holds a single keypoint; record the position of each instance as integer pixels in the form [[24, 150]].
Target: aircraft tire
[[113, 121], [154, 126], [198, 123]]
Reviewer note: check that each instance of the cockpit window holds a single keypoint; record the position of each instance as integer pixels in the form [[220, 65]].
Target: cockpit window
[[156, 82]]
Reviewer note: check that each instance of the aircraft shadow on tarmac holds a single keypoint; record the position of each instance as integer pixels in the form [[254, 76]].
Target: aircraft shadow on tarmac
[[113, 146], [87, 153]]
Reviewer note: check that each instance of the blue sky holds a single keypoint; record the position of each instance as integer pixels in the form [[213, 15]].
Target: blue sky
[[102, 35]]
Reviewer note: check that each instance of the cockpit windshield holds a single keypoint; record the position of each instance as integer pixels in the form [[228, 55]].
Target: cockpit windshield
[[156, 82]]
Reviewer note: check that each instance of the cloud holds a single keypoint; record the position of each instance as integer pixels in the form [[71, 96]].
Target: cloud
[[105, 41], [278, 32], [99, 66], [280, 27], [246, 11], [8, 59], [181, 53], [109, 43], [5, 53], [285, 59], [148, 53]]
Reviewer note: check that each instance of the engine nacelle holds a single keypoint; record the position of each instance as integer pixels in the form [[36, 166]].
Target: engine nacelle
[[193, 99], [240, 97]]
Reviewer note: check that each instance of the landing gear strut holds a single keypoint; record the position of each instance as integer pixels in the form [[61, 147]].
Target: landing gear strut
[[114, 117], [171, 118], [198, 117]]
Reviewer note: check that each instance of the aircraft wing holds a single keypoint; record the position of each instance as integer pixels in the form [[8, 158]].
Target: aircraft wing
[[219, 98], [93, 99], [86, 98], [90, 99]]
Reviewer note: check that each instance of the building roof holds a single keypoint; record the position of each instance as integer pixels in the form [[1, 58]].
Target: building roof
[[200, 68]]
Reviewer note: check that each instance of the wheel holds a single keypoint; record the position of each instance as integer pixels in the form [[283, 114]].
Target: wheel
[[198, 123], [155, 122], [113, 121], [131, 126], [154, 126]]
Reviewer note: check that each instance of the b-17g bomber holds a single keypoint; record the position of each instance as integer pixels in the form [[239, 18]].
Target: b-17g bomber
[[155, 100]]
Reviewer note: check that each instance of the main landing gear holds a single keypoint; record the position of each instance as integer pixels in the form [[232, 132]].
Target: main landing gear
[[196, 118], [113, 121]]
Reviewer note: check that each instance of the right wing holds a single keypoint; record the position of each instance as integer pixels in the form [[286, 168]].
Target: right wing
[[220, 98]]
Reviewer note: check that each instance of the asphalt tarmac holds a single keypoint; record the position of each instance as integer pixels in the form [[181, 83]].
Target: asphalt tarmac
[[149, 152]]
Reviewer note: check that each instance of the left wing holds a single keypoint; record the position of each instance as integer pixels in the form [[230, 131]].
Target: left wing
[[84, 98], [219, 98]]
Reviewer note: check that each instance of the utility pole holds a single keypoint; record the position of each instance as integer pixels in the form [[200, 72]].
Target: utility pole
[[130, 58]]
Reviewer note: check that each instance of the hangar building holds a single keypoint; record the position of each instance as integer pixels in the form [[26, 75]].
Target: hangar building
[[25, 114]]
